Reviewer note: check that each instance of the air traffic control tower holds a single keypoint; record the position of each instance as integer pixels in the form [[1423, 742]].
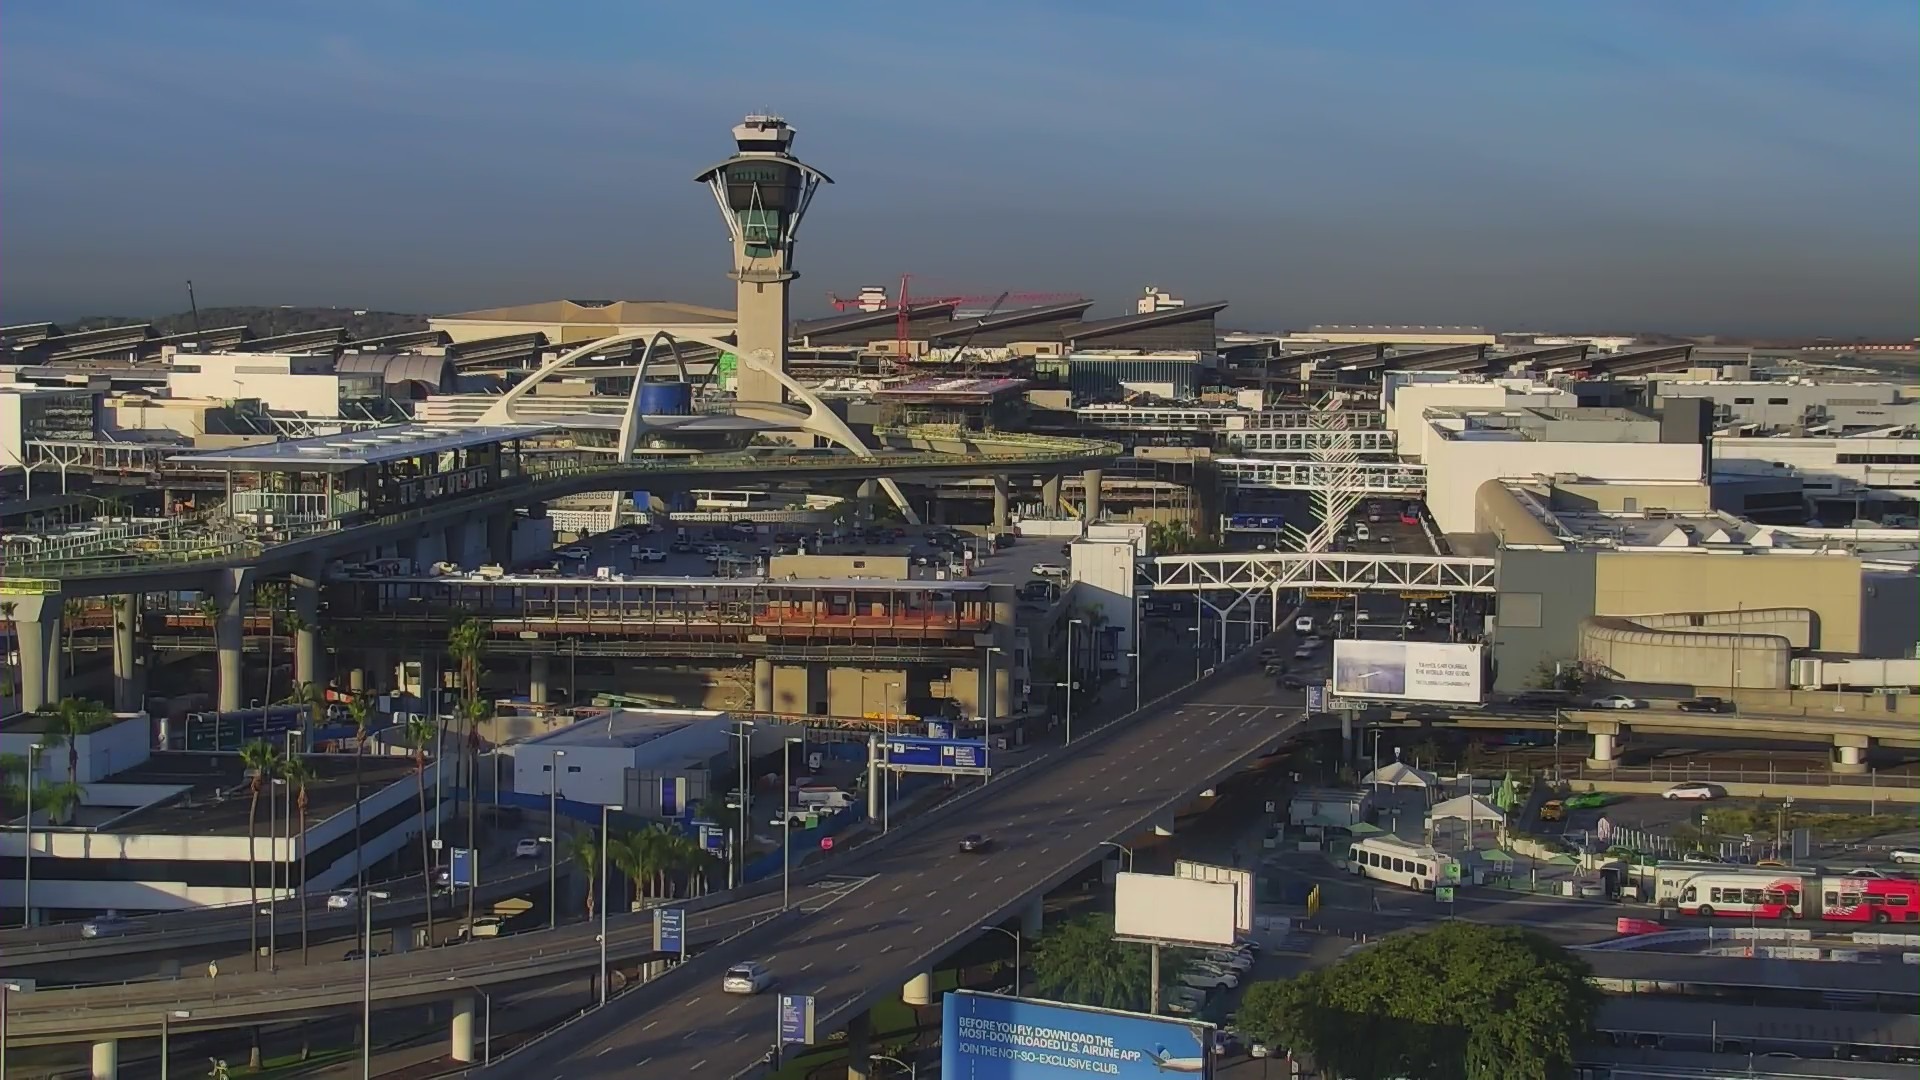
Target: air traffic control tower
[[763, 192]]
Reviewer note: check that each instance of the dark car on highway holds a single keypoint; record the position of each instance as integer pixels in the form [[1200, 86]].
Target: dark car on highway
[[975, 842], [1706, 704]]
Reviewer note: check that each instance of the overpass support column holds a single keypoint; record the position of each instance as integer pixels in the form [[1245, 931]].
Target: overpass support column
[[1604, 749], [106, 1059], [860, 1047], [1091, 480], [126, 675], [763, 685], [463, 1028], [918, 990], [1050, 496], [1033, 917], [500, 539], [1850, 754], [1001, 497], [36, 621], [306, 635], [537, 679], [230, 597]]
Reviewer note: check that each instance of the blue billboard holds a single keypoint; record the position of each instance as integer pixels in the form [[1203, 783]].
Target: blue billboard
[[796, 1019], [1255, 522], [670, 930], [990, 1037], [713, 836], [938, 728], [906, 753], [465, 871]]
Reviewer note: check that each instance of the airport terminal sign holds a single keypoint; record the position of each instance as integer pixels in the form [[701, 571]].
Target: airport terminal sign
[[991, 1037], [909, 754], [1407, 671]]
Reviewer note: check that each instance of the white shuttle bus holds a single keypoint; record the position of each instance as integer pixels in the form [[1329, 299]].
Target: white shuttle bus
[[1390, 859]]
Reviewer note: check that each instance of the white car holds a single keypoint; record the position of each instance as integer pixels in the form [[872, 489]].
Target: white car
[[1616, 701], [574, 552], [1303, 625], [484, 926], [649, 554], [1362, 616], [748, 978], [1691, 791], [1905, 858], [110, 924], [528, 849], [1204, 980], [1048, 569], [341, 899], [1235, 960]]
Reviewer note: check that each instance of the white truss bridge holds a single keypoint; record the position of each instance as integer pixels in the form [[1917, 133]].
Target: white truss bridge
[[1313, 440], [1354, 478], [1157, 418], [1243, 573]]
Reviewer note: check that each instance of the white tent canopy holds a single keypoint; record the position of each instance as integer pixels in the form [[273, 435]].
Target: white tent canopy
[[1400, 774], [1467, 808]]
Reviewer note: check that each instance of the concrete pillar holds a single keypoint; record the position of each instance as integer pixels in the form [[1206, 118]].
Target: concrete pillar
[[36, 622], [918, 990], [860, 1047], [1033, 917], [1091, 480], [230, 596], [537, 679], [762, 685], [1603, 750], [463, 1049], [305, 597], [1850, 754], [1050, 496], [126, 675], [500, 539], [1001, 497], [106, 1059]]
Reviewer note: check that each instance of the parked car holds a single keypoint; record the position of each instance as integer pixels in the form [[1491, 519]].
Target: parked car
[[484, 926], [1303, 625], [1047, 569], [1700, 857], [1905, 858], [647, 554], [1706, 704], [1692, 790], [1553, 810], [528, 849], [1616, 701], [1587, 800], [110, 924], [574, 551], [975, 842], [748, 978], [341, 899]]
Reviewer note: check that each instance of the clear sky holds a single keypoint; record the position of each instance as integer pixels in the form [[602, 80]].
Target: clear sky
[[1739, 166]]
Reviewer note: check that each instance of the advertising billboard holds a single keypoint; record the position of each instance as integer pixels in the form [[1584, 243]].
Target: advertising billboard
[[908, 754], [1175, 910], [1241, 880], [991, 1037], [1407, 671], [670, 930]]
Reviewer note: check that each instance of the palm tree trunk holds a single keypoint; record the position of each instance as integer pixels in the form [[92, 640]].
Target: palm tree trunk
[[426, 860], [303, 876], [253, 886], [266, 696], [359, 841]]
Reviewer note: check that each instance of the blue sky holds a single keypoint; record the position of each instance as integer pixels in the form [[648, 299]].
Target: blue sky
[[1742, 167]]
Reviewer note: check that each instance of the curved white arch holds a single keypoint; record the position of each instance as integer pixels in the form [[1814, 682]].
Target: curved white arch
[[819, 420], [631, 421]]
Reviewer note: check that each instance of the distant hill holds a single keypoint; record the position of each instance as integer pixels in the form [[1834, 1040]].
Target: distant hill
[[265, 321]]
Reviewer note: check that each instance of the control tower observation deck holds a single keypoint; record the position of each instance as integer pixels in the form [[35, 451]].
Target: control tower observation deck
[[763, 192]]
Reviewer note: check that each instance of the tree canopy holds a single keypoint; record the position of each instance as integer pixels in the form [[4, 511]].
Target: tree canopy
[[1080, 962], [1458, 1002]]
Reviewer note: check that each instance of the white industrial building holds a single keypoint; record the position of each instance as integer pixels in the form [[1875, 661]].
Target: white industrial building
[[308, 384], [1867, 468], [651, 762], [1797, 405]]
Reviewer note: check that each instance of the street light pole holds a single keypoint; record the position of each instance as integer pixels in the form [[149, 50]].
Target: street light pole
[[986, 723], [6, 988], [273, 875], [786, 819], [1123, 848], [366, 985], [913, 1071], [746, 788], [164, 1019], [1015, 935], [1071, 623], [604, 811], [26, 880], [553, 841]]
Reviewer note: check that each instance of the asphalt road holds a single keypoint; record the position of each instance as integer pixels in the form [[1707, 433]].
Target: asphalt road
[[922, 897]]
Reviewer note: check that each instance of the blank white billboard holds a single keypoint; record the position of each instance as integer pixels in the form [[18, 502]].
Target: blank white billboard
[[1241, 880], [1174, 909], [1407, 670]]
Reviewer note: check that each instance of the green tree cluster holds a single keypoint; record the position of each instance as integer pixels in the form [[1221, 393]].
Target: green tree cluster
[[1458, 1002], [659, 861], [1080, 962]]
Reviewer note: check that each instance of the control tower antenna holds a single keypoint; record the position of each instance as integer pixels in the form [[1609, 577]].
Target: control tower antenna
[[763, 192]]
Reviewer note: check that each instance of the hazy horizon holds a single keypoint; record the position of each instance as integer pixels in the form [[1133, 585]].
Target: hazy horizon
[[1744, 169]]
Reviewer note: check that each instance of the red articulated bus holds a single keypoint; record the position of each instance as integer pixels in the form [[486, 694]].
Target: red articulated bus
[[1747, 895]]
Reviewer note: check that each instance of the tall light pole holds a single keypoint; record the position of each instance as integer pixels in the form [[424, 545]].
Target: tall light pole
[[1015, 935], [1071, 634], [913, 1071], [273, 873], [553, 840], [26, 879], [604, 811], [986, 723], [165, 1019], [6, 988], [1135, 657], [366, 985], [1122, 847], [746, 794], [486, 1019], [786, 819]]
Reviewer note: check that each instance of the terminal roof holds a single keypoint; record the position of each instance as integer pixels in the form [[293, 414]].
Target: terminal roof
[[353, 449]]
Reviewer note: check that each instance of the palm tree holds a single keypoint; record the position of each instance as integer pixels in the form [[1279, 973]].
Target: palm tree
[[270, 595], [58, 799], [421, 734], [293, 624], [13, 780], [71, 613], [262, 761], [72, 718], [477, 712], [360, 709], [298, 775], [464, 642], [636, 855], [1081, 963], [583, 847]]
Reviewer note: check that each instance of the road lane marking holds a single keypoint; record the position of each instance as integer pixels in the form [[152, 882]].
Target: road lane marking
[[603, 1051], [946, 913], [650, 1023], [840, 946], [733, 1010], [809, 966], [643, 1061], [698, 1064]]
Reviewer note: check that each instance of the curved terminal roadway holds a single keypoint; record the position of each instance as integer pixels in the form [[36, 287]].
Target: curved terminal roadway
[[884, 915]]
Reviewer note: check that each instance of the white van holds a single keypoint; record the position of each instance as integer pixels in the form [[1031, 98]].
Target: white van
[[1361, 532], [1303, 625]]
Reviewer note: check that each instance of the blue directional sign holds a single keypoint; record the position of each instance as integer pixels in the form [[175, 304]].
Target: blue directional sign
[[990, 1037], [796, 1019], [466, 868], [908, 754], [670, 930], [713, 836], [1317, 698], [938, 728]]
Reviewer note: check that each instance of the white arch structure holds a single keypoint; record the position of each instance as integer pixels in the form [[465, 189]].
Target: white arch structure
[[818, 419]]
